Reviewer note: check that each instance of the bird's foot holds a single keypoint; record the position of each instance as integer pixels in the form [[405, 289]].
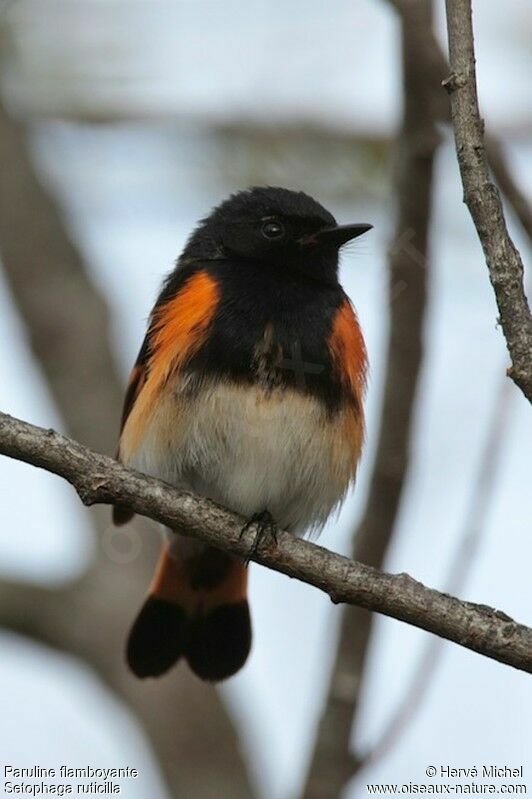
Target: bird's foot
[[265, 527]]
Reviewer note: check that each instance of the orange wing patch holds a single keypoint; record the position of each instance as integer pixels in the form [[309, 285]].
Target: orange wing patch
[[179, 328], [348, 351]]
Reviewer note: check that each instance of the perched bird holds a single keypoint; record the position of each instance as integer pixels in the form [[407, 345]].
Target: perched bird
[[248, 389]]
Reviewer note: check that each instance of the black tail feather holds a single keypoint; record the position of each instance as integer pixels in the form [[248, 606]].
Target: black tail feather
[[157, 639], [219, 643], [216, 645]]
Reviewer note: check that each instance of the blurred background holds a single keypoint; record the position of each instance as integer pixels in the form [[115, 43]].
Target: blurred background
[[124, 121]]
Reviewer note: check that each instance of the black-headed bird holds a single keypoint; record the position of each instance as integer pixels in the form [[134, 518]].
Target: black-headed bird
[[248, 389]]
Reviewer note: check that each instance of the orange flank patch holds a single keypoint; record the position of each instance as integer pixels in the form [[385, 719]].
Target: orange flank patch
[[348, 351], [179, 327]]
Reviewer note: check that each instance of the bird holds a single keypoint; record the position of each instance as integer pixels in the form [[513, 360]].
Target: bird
[[248, 389]]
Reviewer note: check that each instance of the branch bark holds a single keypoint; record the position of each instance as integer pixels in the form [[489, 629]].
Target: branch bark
[[99, 479], [504, 263]]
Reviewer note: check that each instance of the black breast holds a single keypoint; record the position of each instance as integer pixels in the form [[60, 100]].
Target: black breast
[[272, 328]]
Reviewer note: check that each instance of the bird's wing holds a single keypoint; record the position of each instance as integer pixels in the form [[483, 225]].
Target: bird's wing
[[179, 325], [136, 380]]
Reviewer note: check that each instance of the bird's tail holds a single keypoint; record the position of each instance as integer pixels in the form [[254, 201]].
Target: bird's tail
[[197, 609]]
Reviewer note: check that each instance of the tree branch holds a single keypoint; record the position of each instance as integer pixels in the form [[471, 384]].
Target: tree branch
[[482, 197], [99, 479]]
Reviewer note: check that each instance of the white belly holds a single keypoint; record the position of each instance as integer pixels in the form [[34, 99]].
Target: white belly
[[252, 450]]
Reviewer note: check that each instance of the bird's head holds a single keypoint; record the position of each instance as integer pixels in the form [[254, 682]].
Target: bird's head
[[280, 228]]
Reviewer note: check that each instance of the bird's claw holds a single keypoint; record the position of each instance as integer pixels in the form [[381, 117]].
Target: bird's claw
[[266, 526]]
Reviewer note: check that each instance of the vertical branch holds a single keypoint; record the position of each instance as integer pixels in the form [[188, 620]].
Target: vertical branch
[[332, 763], [66, 318], [504, 263]]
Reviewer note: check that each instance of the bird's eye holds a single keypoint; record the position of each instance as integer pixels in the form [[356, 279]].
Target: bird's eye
[[272, 230]]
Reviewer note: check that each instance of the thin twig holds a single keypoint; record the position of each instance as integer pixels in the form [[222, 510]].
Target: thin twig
[[482, 197], [99, 479]]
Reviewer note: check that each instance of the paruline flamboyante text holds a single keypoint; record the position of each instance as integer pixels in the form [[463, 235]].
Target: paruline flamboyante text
[[67, 772]]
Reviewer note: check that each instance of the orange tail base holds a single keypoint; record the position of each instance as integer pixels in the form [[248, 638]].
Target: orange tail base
[[196, 609]]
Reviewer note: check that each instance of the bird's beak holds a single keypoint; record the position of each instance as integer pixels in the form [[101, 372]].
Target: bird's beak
[[336, 235]]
